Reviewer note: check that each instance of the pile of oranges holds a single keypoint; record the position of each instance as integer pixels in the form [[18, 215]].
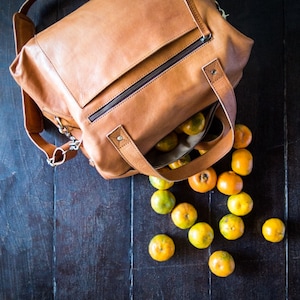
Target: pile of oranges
[[231, 226]]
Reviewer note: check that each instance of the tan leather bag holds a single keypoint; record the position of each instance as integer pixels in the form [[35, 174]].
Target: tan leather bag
[[117, 76]]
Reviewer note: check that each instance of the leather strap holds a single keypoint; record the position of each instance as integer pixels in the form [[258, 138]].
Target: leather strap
[[25, 6], [24, 30], [223, 90], [197, 18]]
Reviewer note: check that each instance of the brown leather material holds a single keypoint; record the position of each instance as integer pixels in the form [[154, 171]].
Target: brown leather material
[[115, 66], [223, 91], [24, 30], [26, 6]]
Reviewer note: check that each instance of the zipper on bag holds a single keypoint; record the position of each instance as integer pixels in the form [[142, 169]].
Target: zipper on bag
[[149, 77]]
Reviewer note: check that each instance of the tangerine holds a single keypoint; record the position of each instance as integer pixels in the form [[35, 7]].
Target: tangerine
[[273, 230], [184, 215], [242, 162], [201, 235], [242, 136], [160, 183], [229, 183], [221, 263], [168, 143], [204, 181], [194, 125], [240, 204], [180, 162], [162, 201], [161, 247], [231, 227]]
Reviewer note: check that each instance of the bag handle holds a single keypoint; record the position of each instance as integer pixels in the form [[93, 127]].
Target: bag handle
[[223, 90]]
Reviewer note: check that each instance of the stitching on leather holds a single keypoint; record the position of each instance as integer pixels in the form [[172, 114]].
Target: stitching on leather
[[49, 60], [142, 88], [139, 78], [195, 13], [148, 54]]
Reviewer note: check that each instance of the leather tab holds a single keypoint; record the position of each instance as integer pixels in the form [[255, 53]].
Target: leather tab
[[219, 83], [197, 18], [119, 137], [213, 71], [129, 151]]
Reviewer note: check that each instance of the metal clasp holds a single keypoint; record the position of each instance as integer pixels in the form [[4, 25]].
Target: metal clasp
[[206, 38], [223, 13], [74, 145], [52, 160]]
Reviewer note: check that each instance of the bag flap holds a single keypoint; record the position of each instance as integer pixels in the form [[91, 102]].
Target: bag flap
[[98, 43]]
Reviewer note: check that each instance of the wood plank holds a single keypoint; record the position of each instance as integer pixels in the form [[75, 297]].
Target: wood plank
[[170, 279], [260, 106], [292, 71], [256, 262], [92, 236], [92, 215], [26, 192]]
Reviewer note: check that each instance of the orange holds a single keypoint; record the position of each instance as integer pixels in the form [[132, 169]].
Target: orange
[[229, 183], [242, 136], [204, 181], [180, 162], [242, 162], [161, 247], [168, 143], [201, 235], [160, 183], [231, 227], [240, 204], [184, 215], [273, 230], [162, 201], [221, 263], [193, 125], [202, 151]]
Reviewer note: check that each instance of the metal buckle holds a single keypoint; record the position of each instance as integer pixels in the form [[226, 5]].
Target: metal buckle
[[223, 13], [52, 161], [74, 145]]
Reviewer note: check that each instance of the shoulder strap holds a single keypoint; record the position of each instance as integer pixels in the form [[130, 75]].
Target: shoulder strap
[[24, 30], [25, 6]]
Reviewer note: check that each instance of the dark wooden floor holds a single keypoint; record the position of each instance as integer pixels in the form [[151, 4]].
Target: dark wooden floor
[[66, 233]]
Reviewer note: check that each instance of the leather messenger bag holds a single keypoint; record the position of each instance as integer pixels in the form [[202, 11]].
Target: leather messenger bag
[[116, 77]]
